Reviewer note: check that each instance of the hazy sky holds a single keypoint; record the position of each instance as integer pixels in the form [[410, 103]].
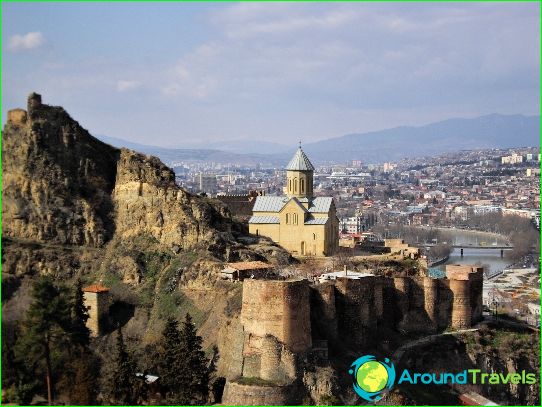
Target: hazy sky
[[170, 73]]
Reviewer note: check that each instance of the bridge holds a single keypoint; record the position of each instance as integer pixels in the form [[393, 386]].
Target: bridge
[[502, 248], [471, 246]]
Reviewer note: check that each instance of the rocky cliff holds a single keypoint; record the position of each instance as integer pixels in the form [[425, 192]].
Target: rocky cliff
[[63, 186], [75, 207]]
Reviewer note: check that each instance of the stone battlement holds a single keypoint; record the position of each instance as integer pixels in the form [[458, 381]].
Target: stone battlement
[[17, 117], [278, 308], [240, 204], [281, 320]]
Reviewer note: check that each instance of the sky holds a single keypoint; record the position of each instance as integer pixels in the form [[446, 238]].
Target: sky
[[175, 74]]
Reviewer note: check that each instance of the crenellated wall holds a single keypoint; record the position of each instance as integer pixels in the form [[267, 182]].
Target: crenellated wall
[[430, 300], [324, 311], [466, 284], [356, 315], [280, 309], [280, 320], [239, 394]]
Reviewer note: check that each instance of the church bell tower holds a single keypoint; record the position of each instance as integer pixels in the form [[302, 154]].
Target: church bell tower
[[299, 176]]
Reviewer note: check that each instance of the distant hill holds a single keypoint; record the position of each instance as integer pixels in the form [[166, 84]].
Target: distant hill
[[173, 155], [243, 146], [491, 131]]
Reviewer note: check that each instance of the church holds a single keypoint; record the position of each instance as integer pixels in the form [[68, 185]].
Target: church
[[301, 223]]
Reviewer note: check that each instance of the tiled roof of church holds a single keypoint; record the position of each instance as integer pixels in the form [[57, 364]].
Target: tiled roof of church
[[300, 162], [319, 204]]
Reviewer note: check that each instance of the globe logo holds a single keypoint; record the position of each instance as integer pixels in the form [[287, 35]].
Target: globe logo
[[372, 377]]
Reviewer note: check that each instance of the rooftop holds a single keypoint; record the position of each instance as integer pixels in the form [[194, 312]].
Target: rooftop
[[96, 288], [300, 162]]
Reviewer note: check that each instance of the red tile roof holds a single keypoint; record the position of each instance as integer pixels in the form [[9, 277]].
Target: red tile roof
[[96, 288]]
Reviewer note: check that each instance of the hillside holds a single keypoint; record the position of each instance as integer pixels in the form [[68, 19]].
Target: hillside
[[76, 208]]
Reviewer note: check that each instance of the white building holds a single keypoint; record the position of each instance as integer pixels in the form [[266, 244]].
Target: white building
[[512, 159]]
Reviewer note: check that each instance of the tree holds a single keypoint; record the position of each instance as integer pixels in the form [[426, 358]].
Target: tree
[[80, 331], [46, 329], [183, 368], [123, 375], [80, 371], [171, 360], [197, 379], [80, 379]]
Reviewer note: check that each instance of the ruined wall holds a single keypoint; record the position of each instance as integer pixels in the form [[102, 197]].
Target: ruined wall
[[278, 308], [275, 316], [423, 304], [379, 298], [355, 309], [17, 117], [98, 307], [323, 311], [466, 284], [240, 205], [238, 394], [402, 293], [430, 291]]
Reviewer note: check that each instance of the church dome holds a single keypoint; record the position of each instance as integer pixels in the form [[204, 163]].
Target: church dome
[[300, 162]]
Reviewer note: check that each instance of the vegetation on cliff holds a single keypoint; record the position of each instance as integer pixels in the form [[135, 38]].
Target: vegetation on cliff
[[76, 208]]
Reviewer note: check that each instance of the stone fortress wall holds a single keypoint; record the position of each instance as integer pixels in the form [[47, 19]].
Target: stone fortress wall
[[282, 319], [240, 204], [276, 321], [97, 301]]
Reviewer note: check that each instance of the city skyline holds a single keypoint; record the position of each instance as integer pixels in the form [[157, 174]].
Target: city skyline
[[171, 74]]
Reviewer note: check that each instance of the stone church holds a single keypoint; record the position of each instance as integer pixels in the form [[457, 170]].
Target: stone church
[[301, 223]]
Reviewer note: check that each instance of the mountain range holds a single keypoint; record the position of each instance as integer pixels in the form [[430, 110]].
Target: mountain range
[[484, 132]]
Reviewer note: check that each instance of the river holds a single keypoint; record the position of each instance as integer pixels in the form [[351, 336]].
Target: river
[[487, 257]]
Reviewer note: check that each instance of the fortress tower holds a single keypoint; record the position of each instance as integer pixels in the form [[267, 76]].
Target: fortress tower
[[466, 284], [96, 299]]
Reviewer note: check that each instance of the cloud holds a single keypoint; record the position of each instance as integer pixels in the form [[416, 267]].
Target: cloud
[[286, 70], [244, 20], [25, 42], [126, 86]]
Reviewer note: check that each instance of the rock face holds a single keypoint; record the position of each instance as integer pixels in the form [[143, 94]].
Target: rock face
[[63, 186], [57, 178]]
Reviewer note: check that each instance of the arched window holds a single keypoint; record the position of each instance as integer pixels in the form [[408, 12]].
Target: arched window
[[287, 219], [302, 186], [314, 236], [295, 185], [257, 232]]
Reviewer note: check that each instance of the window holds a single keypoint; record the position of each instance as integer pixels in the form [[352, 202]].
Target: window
[[295, 184], [302, 186], [295, 218], [287, 219], [314, 236]]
